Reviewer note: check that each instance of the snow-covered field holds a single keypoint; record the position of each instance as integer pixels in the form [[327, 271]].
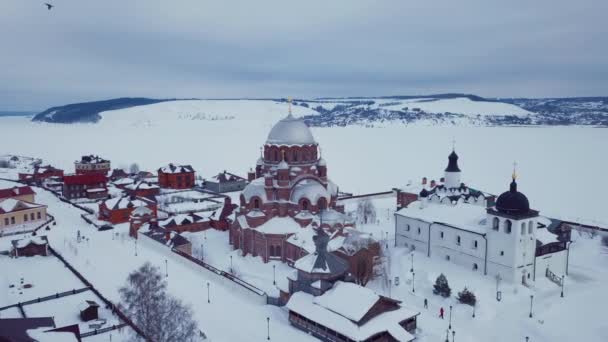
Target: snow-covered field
[[561, 171]]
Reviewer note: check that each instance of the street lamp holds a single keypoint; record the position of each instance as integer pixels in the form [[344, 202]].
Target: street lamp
[[563, 278], [208, 298], [274, 279], [412, 258], [386, 240], [447, 335], [202, 252], [450, 326], [531, 303], [231, 264], [166, 268], [389, 288], [136, 247], [453, 335], [268, 328], [527, 338], [413, 281], [473, 310]]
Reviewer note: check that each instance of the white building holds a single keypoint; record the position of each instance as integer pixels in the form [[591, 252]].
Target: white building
[[505, 239]]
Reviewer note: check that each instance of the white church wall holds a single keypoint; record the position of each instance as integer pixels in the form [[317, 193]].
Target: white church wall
[[556, 262]]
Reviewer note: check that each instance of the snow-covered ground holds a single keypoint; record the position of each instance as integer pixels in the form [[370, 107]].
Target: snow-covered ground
[[561, 171]]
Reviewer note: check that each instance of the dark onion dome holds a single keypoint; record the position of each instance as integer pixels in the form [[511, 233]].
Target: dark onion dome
[[453, 163], [424, 193], [513, 202]]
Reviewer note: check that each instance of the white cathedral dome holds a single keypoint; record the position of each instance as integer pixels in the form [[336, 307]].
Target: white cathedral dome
[[290, 131]]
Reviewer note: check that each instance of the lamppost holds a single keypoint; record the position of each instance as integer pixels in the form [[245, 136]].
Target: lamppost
[[231, 264], [202, 253], [563, 278], [412, 258], [135, 247], [208, 298], [531, 303], [389, 288], [527, 338], [274, 278], [413, 281], [473, 310], [268, 328], [453, 335], [447, 335], [450, 326], [166, 268], [386, 240]]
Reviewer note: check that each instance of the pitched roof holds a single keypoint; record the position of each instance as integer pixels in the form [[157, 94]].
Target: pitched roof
[[10, 204], [125, 202], [16, 191], [172, 168]]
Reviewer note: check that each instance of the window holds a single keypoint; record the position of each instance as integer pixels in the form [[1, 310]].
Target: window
[[475, 244], [12, 219], [508, 225], [277, 251], [305, 205], [441, 234], [458, 240], [38, 215], [407, 228], [523, 228], [475, 267], [25, 217], [271, 251], [530, 226], [502, 253], [6, 221], [447, 257], [32, 217], [256, 203], [495, 223], [418, 230]]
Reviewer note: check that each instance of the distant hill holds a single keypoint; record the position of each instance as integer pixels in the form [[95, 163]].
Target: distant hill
[[451, 109], [89, 111], [16, 113]]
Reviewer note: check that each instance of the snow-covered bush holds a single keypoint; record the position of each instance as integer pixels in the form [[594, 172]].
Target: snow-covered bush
[[442, 287], [467, 297]]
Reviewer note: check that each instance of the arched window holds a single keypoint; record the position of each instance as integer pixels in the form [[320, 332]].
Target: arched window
[[508, 226], [256, 203], [530, 227], [271, 253], [322, 203], [523, 228], [277, 251], [295, 156], [276, 155], [495, 223], [304, 205]]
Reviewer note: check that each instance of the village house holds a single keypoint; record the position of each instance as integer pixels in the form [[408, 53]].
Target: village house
[[186, 223], [18, 213], [117, 174], [322, 302], [169, 238], [118, 210], [140, 216], [30, 246], [225, 182], [87, 185], [142, 189], [23, 193], [89, 310], [176, 177], [92, 164], [41, 173]]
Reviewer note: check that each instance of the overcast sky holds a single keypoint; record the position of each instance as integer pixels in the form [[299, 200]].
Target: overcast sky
[[89, 50]]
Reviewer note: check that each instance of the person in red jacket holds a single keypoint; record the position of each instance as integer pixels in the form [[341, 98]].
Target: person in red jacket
[[441, 312]]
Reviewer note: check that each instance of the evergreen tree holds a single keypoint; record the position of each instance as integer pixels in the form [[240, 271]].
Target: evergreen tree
[[442, 287], [467, 297]]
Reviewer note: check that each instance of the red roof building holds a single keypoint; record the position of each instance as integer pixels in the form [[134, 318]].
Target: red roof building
[[23, 193], [118, 210], [92, 164], [91, 185], [41, 173]]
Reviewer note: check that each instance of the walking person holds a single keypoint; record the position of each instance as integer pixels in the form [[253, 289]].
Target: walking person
[[441, 311], [426, 303]]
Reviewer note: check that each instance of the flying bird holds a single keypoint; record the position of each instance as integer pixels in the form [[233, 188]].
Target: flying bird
[[49, 6]]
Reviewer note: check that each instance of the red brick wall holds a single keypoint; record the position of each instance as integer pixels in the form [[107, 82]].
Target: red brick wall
[[176, 180]]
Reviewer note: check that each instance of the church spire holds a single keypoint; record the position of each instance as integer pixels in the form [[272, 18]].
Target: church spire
[[513, 187]]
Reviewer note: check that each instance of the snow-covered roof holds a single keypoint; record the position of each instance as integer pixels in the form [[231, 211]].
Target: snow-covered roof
[[290, 131], [141, 211], [142, 185], [124, 181], [11, 204], [310, 189], [464, 216], [279, 225], [255, 188], [545, 236], [172, 168], [303, 238], [36, 240], [182, 219], [354, 300], [124, 202]]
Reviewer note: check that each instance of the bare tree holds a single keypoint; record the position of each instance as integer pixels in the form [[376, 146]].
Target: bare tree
[[366, 212], [160, 316], [134, 168]]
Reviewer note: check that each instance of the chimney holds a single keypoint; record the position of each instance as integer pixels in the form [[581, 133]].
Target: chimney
[[423, 180], [433, 183]]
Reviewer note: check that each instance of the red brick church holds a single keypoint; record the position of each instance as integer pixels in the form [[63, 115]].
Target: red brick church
[[289, 193]]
